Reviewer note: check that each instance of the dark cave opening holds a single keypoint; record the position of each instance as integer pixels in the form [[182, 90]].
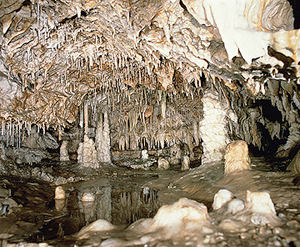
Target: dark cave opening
[[296, 10], [269, 144]]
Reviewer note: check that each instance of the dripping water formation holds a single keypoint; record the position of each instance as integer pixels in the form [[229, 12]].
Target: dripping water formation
[[149, 123]]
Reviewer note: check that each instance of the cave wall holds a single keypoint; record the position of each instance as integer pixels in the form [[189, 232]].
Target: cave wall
[[147, 66]]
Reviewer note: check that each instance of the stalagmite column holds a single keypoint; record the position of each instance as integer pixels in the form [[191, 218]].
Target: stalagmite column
[[87, 155], [64, 155], [102, 139], [213, 129], [86, 118]]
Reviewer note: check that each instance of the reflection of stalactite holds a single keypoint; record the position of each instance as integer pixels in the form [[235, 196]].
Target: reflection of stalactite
[[135, 205], [103, 139], [105, 204]]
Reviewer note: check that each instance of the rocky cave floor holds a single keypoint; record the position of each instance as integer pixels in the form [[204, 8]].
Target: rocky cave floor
[[31, 217]]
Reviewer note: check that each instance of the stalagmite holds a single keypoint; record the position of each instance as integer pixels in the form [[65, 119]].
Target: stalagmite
[[237, 157], [221, 198], [88, 197], [86, 118], [213, 129], [262, 207], [64, 155], [102, 139], [87, 154], [185, 163], [163, 164], [60, 193], [81, 117], [235, 205], [145, 154]]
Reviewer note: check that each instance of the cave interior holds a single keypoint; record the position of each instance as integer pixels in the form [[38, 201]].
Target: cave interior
[[144, 94]]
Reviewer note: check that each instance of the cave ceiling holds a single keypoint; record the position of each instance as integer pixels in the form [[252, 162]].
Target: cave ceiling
[[57, 53]]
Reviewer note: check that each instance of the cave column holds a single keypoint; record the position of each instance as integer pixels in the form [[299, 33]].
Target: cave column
[[103, 139], [213, 128]]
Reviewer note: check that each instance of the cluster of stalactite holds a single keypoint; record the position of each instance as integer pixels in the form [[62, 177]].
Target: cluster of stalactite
[[271, 110], [148, 65]]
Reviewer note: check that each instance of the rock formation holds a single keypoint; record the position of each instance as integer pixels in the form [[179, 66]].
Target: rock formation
[[237, 157], [153, 69]]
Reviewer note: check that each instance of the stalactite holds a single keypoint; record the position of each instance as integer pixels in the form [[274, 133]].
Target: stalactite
[[164, 105]]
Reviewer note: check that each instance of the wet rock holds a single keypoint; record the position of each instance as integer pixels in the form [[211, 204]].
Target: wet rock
[[2, 151], [173, 153], [197, 152], [235, 206], [221, 198], [293, 224], [138, 164], [262, 207], [232, 226], [209, 239], [26, 155], [4, 192], [39, 140]]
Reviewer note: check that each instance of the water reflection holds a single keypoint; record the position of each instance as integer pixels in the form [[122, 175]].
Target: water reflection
[[84, 203]]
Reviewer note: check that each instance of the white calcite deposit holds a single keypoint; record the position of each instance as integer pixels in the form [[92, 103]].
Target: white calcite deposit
[[187, 222], [87, 154], [246, 25], [237, 157], [64, 155], [163, 164], [103, 139], [59, 193], [213, 128], [262, 208], [221, 198]]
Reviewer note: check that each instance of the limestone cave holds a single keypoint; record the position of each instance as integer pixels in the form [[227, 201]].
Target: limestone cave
[[149, 123]]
